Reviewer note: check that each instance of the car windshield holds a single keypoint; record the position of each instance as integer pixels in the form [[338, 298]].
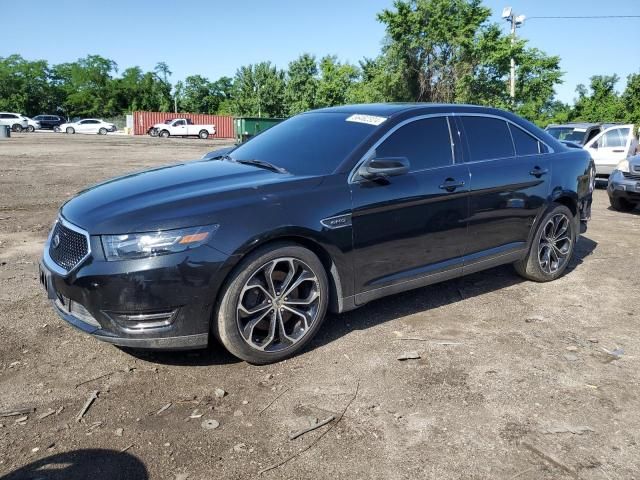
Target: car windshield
[[571, 134], [308, 144], [167, 122]]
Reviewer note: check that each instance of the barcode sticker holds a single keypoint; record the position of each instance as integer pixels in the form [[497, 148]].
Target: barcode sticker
[[368, 119]]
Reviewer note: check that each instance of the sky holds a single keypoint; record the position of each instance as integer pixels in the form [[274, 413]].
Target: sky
[[213, 38]]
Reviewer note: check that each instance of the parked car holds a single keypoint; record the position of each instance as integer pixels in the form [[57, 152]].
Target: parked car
[[610, 147], [88, 125], [220, 153], [181, 127], [49, 122], [32, 125], [624, 185], [328, 210], [14, 120], [579, 133]]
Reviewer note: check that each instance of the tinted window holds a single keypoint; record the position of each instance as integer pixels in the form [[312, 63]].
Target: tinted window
[[487, 138], [310, 144], [178, 123], [525, 143], [426, 143]]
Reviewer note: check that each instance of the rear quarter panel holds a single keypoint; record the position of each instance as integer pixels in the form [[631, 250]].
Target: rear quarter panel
[[572, 172]]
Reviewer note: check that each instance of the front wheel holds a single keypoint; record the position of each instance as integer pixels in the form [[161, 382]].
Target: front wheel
[[621, 204], [203, 134], [164, 134], [102, 131], [273, 304], [70, 130], [552, 246]]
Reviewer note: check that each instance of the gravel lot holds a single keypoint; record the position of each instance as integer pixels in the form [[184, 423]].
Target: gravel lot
[[514, 380]]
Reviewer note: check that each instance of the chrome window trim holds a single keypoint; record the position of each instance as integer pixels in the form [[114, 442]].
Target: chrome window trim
[[48, 261], [509, 123], [354, 171]]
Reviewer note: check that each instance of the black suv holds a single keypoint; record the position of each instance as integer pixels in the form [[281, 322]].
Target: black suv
[[328, 210], [49, 121]]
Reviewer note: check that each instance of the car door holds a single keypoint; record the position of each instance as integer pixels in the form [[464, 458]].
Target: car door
[[510, 171], [411, 227], [610, 147], [179, 127]]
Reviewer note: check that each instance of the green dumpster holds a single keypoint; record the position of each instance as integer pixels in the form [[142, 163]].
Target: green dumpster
[[247, 127]]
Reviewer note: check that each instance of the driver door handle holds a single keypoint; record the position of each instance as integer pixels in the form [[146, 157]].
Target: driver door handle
[[619, 150], [538, 172], [450, 184]]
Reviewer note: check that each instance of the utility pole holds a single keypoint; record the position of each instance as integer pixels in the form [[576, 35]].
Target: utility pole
[[516, 21]]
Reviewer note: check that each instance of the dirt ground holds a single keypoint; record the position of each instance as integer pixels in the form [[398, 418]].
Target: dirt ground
[[514, 379]]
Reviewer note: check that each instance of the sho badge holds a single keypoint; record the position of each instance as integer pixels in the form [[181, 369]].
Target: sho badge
[[337, 222]]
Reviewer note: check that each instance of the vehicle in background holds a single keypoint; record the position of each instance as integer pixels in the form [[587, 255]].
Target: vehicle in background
[[624, 185], [87, 125], [181, 127], [579, 133], [15, 121], [610, 147], [49, 122], [32, 125], [328, 210], [219, 153]]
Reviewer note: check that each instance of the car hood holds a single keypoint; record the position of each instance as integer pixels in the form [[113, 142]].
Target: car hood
[[174, 196]]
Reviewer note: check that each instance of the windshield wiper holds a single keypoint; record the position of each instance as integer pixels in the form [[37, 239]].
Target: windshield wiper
[[259, 163]]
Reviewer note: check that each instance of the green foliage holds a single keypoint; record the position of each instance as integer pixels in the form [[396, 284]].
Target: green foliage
[[434, 51]]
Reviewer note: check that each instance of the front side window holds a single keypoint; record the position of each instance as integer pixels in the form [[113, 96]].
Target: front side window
[[614, 138], [179, 123], [488, 138], [426, 143]]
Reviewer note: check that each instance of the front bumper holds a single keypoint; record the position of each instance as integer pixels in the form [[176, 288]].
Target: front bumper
[[621, 187], [160, 303]]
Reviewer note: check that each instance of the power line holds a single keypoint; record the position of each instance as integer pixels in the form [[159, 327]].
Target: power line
[[587, 16]]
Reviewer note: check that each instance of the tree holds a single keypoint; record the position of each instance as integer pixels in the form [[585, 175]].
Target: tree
[[302, 84], [258, 90], [631, 99], [600, 102], [25, 86], [336, 81]]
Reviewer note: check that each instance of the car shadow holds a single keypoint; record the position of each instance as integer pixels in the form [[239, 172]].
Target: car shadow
[[432, 297], [376, 312], [94, 464], [635, 211]]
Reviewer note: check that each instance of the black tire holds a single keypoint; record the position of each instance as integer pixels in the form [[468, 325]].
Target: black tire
[[539, 265], [31, 129], [164, 134], [152, 132], [621, 204], [57, 129], [203, 134], [70, 130], [16, 127], [227, 319], [102, 131]]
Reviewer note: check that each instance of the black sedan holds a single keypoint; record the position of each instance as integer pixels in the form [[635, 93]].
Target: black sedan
[[328, 210], [49, 122]]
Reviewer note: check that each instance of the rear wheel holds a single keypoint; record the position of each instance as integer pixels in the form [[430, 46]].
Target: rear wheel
[[56, 129], [102, 131], [273, 305], [164, 134], [16, 127], [31, 129], [203, 134], [552, 246], [70, 130], [621, 204]]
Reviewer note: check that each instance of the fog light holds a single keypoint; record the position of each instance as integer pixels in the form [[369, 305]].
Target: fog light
[[143, 321]]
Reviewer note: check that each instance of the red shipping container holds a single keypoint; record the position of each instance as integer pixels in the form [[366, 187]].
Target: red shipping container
[[143, 121]]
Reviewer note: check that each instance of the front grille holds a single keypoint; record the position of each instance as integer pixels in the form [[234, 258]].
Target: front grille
[[631, 176], [67, 247]]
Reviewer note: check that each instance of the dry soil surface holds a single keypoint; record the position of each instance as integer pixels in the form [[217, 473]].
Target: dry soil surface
[[513, 380]]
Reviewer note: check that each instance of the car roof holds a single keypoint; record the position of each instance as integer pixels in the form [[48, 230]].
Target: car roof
[[575, 125], [391, 109]]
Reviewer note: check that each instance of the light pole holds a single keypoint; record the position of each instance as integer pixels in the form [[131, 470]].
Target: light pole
[[516, 21]]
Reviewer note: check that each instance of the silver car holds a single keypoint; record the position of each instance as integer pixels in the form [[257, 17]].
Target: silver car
[[624, 185]]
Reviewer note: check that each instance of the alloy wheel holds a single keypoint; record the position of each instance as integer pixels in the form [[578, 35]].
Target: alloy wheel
[[555, 244], [278, 305]]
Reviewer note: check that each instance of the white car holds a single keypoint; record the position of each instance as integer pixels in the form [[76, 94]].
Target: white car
[[610, 147], [15, 121], [87, 125], [32, 125], [181, 127]]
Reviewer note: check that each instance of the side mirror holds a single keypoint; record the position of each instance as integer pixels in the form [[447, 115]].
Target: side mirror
[[594, 145], [384, 167]]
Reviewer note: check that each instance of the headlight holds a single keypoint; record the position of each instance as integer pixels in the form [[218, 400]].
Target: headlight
[[623, 166], [151, 244]]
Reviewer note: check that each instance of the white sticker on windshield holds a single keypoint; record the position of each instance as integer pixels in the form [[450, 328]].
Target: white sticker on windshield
[[581, 130], [369, 119]]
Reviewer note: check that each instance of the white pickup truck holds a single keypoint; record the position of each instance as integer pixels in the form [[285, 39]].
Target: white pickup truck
[[181, 127]]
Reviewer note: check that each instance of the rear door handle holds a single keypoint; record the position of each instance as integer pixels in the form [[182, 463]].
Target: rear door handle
[[450, 185], [538, 172]]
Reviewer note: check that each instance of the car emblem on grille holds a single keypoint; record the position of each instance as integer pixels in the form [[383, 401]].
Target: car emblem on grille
[[55, 242]]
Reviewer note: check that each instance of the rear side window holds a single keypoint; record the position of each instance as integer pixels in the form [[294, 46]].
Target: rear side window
[[487, 138], [525, 143], [426, 143]]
